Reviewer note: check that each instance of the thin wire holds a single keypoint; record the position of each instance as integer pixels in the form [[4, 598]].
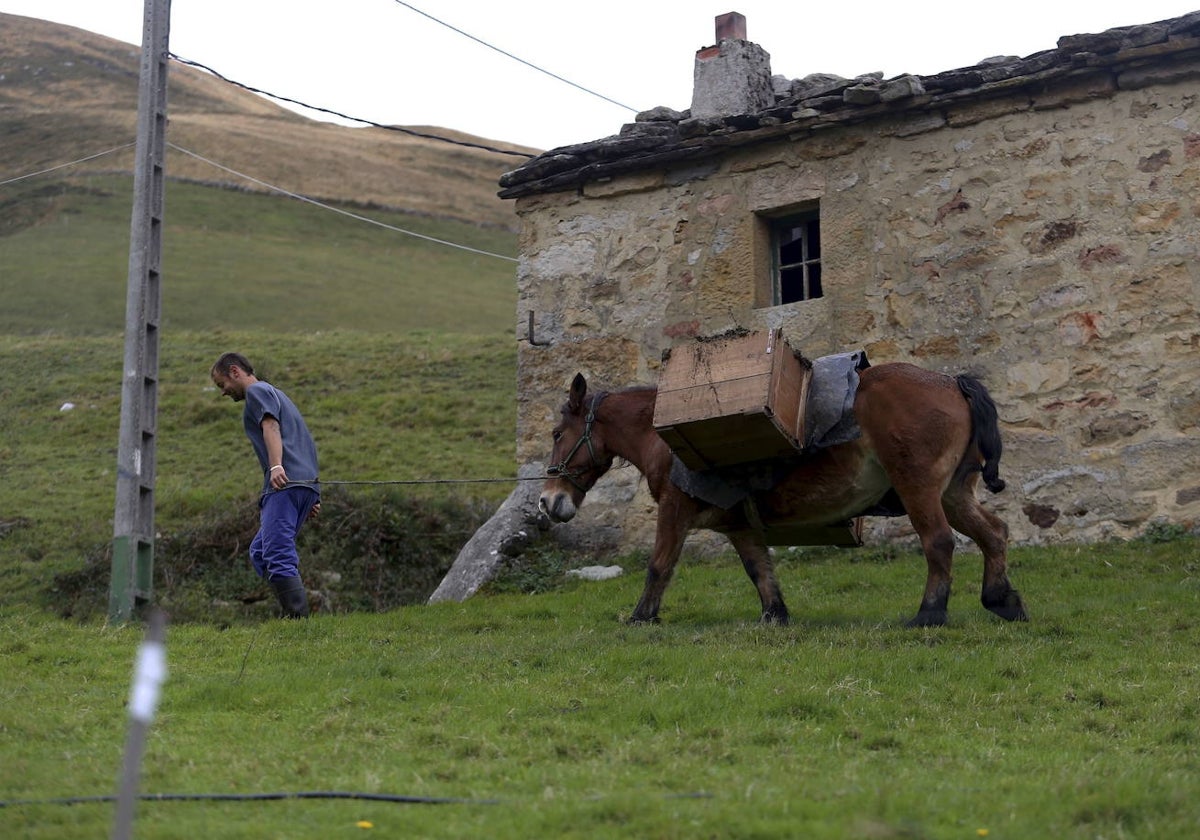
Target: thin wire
[[513, 57], [331, 112], [325, 483], [65, 165], [338, 210], [252, 797], [303, 794]]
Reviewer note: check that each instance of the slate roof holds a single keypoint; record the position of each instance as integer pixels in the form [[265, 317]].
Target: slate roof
[[1125, 58]]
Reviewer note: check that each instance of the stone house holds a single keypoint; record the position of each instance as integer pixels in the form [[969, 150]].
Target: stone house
[[1033, 221]]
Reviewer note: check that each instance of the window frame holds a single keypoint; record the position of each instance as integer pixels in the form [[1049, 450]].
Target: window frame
[[809, 221]]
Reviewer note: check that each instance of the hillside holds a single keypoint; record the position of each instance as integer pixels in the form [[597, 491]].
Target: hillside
[[385, 330], [66, 94], [290, 266]]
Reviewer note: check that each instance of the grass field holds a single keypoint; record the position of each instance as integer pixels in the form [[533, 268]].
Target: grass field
[[400, 351], [545, 716], [418, 406], [511, 715], [239, 261]]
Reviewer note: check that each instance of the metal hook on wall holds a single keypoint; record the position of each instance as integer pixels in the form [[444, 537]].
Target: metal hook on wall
[[532, 341]]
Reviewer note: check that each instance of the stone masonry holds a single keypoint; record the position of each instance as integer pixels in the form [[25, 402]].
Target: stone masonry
[[1031, 221]]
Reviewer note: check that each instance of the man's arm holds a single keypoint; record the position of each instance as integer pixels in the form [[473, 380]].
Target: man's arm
[[274, 441]]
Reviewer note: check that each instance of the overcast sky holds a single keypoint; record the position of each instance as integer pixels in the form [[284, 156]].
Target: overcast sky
[[383, 61]]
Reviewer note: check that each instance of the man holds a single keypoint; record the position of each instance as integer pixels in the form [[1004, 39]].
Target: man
[[290, 493]]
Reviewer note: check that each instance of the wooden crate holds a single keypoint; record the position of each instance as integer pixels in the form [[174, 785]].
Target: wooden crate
[[733, 400]]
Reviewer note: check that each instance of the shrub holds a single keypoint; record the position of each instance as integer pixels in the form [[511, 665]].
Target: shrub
[[368, 551]]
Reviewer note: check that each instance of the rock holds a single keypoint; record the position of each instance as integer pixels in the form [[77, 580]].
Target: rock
[[507, 529], [596, 572]]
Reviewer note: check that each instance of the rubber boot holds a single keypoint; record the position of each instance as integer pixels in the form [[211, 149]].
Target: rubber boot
[[292, 595]]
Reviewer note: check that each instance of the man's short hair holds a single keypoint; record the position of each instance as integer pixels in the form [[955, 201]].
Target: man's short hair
[[229, 360]]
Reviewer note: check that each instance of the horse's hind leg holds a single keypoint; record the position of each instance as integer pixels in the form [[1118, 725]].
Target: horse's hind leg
[[756, 559], [990, 533], [937, 543]]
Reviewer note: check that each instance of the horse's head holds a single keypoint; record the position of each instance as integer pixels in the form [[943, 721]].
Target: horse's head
[[580, 455]]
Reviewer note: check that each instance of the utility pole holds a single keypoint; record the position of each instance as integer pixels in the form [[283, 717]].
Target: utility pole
[[133, 523]]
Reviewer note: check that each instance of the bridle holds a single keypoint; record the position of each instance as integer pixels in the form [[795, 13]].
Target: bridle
[[562, 469]]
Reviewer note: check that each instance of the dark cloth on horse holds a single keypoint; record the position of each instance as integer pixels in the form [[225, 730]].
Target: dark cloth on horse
[[828, 420], [829, 415], [730, 485]]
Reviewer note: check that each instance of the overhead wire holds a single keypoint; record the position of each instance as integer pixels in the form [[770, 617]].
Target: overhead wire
[[273, 188], [320, 109], [338, 210], [331, 112], [65, 165], [513, 57]]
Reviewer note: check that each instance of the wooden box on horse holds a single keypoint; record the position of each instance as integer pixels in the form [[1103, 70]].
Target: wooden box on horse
[[732, 400]]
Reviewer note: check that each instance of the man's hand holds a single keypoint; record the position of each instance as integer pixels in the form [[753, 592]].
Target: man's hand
[[279, 478], [315, 512]]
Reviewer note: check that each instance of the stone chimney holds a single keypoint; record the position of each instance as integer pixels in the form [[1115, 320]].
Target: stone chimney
[[734, 77]]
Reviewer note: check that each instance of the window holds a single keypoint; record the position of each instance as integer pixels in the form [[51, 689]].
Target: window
[[796, 254]]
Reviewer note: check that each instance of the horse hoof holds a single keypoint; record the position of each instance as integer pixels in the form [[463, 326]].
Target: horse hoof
[[774, 620], [1010, 607], [1011, 613], [929, 618], [634, 620]]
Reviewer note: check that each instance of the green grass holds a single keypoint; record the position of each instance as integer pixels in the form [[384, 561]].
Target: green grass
[[405, 407], [1082, 723], [399, 351], [244, 262], [544, 713]]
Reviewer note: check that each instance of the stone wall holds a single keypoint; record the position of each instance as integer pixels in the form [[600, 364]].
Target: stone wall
[[1047, 244]]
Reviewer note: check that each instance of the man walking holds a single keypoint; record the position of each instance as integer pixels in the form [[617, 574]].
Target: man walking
[[290, 493]]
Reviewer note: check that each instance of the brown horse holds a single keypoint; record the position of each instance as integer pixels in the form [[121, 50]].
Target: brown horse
[[926, 438]]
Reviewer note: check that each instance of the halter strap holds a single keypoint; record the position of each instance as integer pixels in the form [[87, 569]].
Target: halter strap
[[562, 468]]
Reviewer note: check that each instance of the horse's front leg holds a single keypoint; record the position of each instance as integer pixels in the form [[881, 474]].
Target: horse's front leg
[[756, 559], [675, 515]]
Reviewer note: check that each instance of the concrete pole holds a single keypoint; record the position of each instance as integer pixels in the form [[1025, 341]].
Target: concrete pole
[[133, 521]]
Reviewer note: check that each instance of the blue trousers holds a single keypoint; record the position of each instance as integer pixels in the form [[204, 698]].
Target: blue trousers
[[273, 550]]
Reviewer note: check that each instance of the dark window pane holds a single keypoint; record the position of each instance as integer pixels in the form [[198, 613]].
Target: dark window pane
[[791, 285], [791, 247], [797, 242]]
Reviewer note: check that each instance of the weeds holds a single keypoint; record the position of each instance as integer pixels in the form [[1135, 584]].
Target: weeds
[[371, 550]]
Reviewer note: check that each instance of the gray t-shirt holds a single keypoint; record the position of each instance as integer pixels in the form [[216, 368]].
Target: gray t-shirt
[[299, 450]]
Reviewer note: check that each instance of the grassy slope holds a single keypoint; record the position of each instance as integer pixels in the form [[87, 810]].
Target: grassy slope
[[1079, 724], [68, 94], [380, 336], [383, 406], [245, 262]]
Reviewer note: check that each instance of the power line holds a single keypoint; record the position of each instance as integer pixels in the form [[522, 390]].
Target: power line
[[331, 112], [273, 188], [337, 210], [513, 57], [65, 165]]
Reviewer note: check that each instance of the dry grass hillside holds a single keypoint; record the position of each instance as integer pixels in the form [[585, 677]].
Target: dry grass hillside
[[66, 93]]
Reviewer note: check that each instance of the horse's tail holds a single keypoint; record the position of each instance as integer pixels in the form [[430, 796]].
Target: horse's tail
[[985, 429]]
